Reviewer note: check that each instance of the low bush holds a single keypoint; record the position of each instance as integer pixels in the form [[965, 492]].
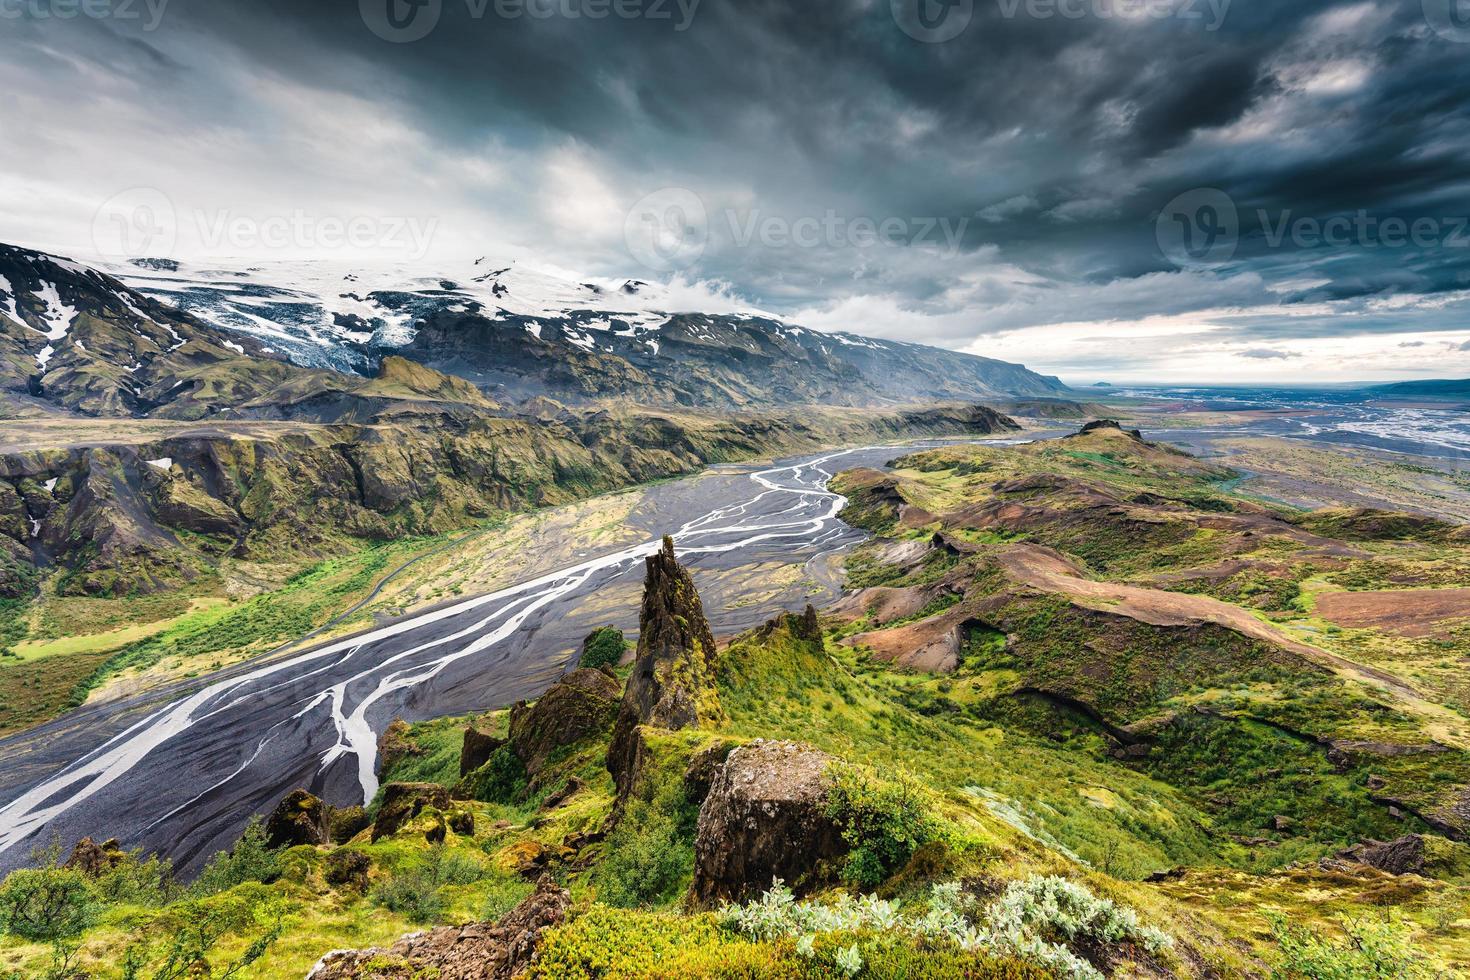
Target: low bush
[[136, 880], [1040, 920], [500, 780], [412, 894], [417, 891], [604, 648], [650, 856], [249, 860], [609, 944], [47, 904], [882, 822], [1368, 950]]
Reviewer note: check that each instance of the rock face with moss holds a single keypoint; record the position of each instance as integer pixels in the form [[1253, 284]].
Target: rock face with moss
[[579, 706], [672, 685], [765, 817], [479, 951]]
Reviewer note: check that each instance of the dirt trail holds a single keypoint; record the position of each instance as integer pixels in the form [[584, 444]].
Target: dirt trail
[[1044, 569]]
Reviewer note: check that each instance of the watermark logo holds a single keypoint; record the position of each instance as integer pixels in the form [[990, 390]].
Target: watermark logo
[[401, 21], [936, 21], [1199, 227], [1450, 19], [136, 223], [933, 21], [1202, 227], [667, 231], [143, 223], [148, 12]]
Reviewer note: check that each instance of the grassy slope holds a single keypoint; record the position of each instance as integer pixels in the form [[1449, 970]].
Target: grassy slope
[[1021, 786]]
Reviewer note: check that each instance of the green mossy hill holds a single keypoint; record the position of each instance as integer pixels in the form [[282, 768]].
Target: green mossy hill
[[1109, 595]]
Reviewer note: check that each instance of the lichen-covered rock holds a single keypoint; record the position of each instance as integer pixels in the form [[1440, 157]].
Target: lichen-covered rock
[[478, 747], [1418, 854], [345, 823], [480, 951], [581, 705], [93, 859], [672, 684], [403, 802], [765, 817], [704, 768], [395, 745], [348, 868], [300, 818]]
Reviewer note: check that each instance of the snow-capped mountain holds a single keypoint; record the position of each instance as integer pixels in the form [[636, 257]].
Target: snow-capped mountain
[[520, 332]]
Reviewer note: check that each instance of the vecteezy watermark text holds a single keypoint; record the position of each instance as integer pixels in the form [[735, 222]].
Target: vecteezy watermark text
[[150, 12], [1203, 226], [936, 21], [402, 21], [670, 229], [143, 223]]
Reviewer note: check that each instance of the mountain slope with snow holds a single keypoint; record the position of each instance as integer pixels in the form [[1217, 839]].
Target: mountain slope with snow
[[520, 333]]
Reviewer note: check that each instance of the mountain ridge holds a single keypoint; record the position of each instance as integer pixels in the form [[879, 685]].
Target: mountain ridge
[[521, 334]]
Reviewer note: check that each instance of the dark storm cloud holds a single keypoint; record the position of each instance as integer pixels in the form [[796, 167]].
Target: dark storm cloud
[[1051, 144]]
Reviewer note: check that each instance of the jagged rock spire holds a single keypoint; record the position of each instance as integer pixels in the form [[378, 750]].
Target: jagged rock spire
[[672, 685]]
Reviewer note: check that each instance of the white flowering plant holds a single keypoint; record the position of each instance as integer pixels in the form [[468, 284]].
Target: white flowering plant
[[1039, 919]]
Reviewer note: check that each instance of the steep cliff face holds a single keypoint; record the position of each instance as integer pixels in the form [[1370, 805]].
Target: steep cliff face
[[672, 685]]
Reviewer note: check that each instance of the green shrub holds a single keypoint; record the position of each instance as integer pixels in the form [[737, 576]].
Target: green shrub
[[604, 648], [249, 860], [136, 880], [882, 822], [500, 780], [504, 894], [47, 904], [608, 944], [649, 858], [186, 953], [417, 892], [413, 894], [443, 866], [1373, 950]]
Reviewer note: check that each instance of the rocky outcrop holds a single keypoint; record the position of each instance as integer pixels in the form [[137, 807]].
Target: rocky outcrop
[[1407, 855], [581, 705], [477, 749], [480, 951], [765, 817], [93, 859], [403, 802], [303, 819], [672, 685], [298, 819], [395, 745]]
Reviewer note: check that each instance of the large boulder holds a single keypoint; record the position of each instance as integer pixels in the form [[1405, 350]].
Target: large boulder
[[672, 685], [404, 801], [298, 819], [1417, 854], [764, 818], [579, 706], [480, 951], [93, 859]]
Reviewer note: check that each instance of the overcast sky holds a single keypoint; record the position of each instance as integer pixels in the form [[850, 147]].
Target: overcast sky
[[1124, 190]]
